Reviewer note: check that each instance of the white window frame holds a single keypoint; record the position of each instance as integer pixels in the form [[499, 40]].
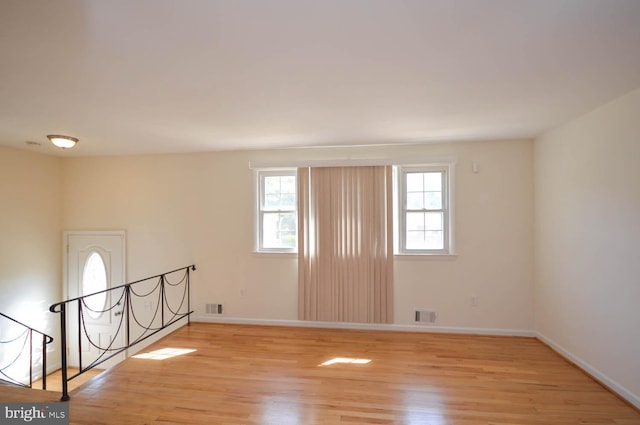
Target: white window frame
[[448, 173], [259, 210]]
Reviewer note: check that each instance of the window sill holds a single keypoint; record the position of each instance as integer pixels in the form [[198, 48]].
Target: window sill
[[271, 254], [427, 257], [396, 257]]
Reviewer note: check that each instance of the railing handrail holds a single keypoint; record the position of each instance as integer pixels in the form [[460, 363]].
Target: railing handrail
[[48, 337], [46, 340], [52, 306], [148, 330]]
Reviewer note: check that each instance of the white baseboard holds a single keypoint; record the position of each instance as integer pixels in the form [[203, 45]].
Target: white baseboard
[[53, 367], [366, 326], [632, 398]]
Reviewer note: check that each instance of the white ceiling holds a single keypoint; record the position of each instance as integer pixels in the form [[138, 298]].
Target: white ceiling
[[159, 76]]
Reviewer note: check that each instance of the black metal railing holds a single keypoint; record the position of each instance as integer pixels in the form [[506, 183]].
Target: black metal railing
[[133, 312], [15, 349]]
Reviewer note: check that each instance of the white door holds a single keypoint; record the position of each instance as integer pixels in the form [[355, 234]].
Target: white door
[[95, 262]]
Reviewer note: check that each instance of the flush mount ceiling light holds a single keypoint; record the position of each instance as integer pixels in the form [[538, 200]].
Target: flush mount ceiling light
[[64, 142]]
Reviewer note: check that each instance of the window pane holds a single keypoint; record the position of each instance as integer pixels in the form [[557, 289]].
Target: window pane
[[287, 222], [272, 185], [270, 230], [415, 200], [279, 230], [433, 200], [271, 201], [433, 221], [424, 231], [415, 240], [433, 181], [424, 190], [434, 240], [288, 230], [425, 240], [415, 221], [424, 221], [288, 239], [415, 182], [288, 201], [288, 184], [279, 192]]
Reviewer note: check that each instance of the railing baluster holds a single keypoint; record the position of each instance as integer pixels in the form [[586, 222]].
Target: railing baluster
[[30, 358], [162, 300], [127, 303], [80, 334], [189, 294], [44, 362], [63, 349], [63, 346]]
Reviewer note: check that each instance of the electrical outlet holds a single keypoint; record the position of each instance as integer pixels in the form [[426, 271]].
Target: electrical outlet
[[147, 306], [474, 301]]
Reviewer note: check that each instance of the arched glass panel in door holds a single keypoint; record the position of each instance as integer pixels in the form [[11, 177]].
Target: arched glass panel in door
[[94, 279]]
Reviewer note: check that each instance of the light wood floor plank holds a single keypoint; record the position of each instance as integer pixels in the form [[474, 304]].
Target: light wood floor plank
[[243, 374], [269, 375]]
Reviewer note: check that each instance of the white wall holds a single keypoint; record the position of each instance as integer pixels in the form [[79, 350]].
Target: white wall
[[30, 239], [587, 268], [180, 209]]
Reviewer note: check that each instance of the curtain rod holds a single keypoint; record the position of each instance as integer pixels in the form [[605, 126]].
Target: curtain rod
[[351, 162]]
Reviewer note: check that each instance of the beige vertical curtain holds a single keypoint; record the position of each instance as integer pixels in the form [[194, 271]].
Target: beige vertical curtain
[[345, 244]]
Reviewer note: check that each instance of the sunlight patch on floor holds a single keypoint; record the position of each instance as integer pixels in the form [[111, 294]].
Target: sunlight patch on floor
[[163, 353], [344, 360]]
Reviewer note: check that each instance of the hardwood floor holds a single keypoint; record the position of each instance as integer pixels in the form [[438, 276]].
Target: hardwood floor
[[242, 374], [11, 393], [54, 380]]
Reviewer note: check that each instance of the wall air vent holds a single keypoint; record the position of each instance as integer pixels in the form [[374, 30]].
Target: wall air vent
[[213, 309], [425, 316]]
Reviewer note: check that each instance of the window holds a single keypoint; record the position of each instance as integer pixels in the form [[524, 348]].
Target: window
[[424, 213], [277, 211]]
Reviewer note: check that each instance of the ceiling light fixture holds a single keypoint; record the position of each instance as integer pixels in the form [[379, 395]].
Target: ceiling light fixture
[[64, 142]]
